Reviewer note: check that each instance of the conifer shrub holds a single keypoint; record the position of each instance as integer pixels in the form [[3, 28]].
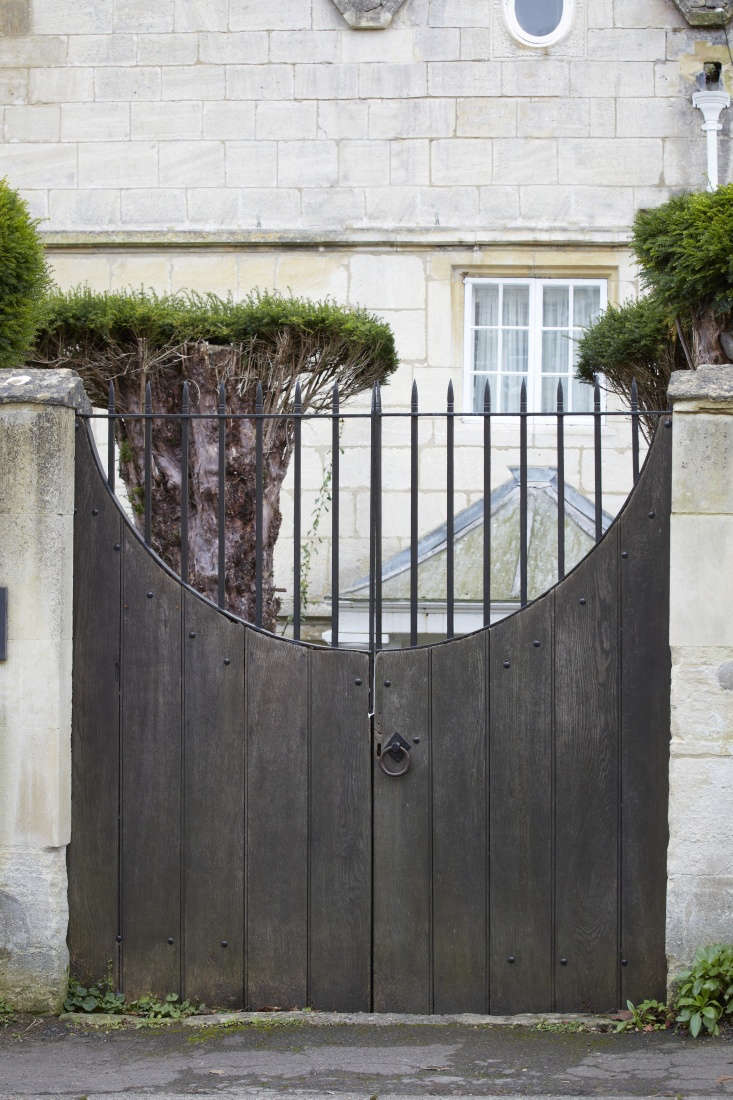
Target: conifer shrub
[[23, 277]]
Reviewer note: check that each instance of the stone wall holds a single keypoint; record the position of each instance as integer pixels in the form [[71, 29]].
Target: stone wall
[[700, 861], [238, 118], [36, 558]]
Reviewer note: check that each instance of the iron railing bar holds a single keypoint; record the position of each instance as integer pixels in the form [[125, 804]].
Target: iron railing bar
[[221, 497], [597, 457], [111, 438], [372, 519], [487, 504], [378, 529], [185, 407], [259, 504], [560, 483], [450, 514], [297, 476], [548, 414], [148, 465], [523, 495], [635, 429], [335, 518], [414, 487]]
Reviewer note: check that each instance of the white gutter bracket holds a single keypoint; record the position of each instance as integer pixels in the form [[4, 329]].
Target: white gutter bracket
[[712, 101]]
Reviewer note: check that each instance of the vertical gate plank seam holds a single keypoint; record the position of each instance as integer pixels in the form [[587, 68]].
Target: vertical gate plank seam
[[309, 823], [182, 809], [619, 762], [430, 946], [245, 799], [487, 820], [120, 773], [553, 801]]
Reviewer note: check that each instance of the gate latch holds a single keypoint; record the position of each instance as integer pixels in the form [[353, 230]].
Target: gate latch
[[394, 759]]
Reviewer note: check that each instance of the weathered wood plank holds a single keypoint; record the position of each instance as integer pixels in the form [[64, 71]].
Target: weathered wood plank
[[277, 822], [340, 832], [402, 968], [94, 849], [459, 762], [213, 810], [587, 818], [521, 835], [151, 774], [645, 690]]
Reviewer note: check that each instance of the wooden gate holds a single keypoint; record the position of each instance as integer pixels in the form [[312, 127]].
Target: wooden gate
[[236, 839]]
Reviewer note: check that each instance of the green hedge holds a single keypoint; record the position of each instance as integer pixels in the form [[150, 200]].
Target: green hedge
[[23, 277]]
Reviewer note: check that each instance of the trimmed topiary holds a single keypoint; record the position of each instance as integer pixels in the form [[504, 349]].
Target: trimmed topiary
[[23, 277]]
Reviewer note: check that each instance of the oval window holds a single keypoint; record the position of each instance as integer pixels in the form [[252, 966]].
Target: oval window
[[538, 22]]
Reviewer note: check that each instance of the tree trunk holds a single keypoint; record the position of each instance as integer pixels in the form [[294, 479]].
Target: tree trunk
[[203, 366], [706, 346]]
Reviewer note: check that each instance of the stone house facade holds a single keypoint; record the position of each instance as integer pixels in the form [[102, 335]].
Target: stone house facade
[[451, 164]]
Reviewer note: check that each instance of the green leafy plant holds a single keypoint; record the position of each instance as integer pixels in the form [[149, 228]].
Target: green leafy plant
[[99, 997], [705, 991], [23, 277], [171, 1007], [7, 1015], [648, 1015]]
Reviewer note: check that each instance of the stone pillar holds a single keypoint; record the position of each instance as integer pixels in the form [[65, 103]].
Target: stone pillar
[[700, 858], [36, 559]]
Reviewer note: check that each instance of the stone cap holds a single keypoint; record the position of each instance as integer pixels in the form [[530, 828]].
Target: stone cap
[[36, 386], [711, 383]]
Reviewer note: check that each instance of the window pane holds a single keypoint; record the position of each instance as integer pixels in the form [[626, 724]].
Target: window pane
[[479, 381], [549, 393], [510, 393], [485, 345], [515, 351], [555, 306], [582, 397], [538, 16], [586, 305], [516, 305], [555, 352], [486, 305]]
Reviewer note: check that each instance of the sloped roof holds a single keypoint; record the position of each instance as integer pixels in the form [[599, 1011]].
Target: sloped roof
[[542, 503]]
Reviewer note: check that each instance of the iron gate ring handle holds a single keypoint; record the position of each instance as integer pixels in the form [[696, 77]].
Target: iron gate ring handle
[[400, 756]]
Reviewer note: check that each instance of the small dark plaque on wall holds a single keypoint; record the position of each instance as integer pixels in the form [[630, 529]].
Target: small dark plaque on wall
[[3, 624]]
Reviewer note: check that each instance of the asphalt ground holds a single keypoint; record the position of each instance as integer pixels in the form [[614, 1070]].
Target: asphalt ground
[[271, 1059]]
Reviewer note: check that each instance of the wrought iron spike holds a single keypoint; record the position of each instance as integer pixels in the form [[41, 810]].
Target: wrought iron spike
[[298, 404], [413, 397], [259, 398], [560, 397], [487, 396], [450, 395]]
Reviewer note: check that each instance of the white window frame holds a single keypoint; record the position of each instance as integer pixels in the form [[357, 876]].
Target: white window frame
[[534, 356], [538, 41]]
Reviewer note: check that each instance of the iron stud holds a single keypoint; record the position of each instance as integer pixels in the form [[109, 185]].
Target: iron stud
[[511, 959], [536, 643], [416, 740], [149, 595], [357, 681], [224, 943], [95, 511], [170, 939], [388, 683], [563, 961], [118, 937], [507, 664], [117, 546], [581, 601], [192, 633], [227, 661], [624, 553], [624, 962], [652, 514]]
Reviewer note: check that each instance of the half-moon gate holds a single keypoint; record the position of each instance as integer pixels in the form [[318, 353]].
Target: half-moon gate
[[236, 839]]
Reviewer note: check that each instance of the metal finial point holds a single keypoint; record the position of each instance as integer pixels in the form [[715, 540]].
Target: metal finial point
[[335, 397], [111, 392], [259, 398], [450, 395], [560, 396], [298, 405], [413, 397], [523, 396], [148, 397], [634, 394], [378, 397], [487, 396], [596, 395]]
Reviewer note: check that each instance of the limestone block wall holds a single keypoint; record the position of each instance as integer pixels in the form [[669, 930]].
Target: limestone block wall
[[700, 860], [230, 116], [36, 559]]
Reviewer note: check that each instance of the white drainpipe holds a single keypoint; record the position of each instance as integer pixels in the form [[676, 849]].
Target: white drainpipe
[[712, 102]]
